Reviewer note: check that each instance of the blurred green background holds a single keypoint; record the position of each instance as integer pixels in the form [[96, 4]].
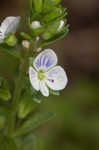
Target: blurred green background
[[76, 125]]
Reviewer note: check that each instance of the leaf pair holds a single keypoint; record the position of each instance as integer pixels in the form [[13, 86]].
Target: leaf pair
[[33, 122], [20, 143]]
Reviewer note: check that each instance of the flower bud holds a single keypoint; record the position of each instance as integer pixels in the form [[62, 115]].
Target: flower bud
[[11, 40], [39, 49], [26, 44], [36, 24]]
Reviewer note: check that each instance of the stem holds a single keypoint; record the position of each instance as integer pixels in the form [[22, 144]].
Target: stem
[[16, 97]]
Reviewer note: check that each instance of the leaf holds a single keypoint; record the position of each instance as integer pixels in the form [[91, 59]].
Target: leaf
[[26, 105], [29, 143], [4, 90], [53, 14], [34, 122], [10, 50], [26, 36], [4, 111], [38, 4], [55, 38], [10, 144], [1, 141], [5, 94], [3, 116]]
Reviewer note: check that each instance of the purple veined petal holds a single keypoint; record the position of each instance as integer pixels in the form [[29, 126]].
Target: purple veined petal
[[33, 79], [43, 89], [9, 25], [56, 78], [45, 60]]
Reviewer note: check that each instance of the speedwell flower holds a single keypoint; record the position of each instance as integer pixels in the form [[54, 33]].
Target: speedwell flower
[[8, 26], [45, 74]]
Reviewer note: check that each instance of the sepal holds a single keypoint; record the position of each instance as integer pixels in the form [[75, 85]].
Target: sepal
[[11, 40]]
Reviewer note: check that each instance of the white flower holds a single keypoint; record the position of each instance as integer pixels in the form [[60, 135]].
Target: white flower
[[45, 74], [36, 24], [61, 25], [8, 26]]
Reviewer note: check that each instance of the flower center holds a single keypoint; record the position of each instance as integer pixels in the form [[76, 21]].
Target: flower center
[[41, 75]]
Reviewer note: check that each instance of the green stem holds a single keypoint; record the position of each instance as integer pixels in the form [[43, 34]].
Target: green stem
[[16, 97]]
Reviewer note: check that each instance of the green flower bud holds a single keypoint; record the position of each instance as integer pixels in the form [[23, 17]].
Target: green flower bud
[[2, 122], [11, 40], [26, 105], [38, 5]]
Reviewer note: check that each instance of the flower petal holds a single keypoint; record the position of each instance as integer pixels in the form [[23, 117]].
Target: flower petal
[[1, 37], [9, 25], [45, 60], [56, 78], [33, 79], [43, 89]]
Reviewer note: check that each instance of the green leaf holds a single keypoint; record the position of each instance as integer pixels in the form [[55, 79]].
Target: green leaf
[[50, 4], [55, 38], [2, 139], [26, 36], [34, 122], [2, 122], [3, 116], [29, 143], [10, 50], [38, 4], [47, 5], [4, 90], [10, 144], [26, 105], [5, 94], [4, 111], [53, 14]]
